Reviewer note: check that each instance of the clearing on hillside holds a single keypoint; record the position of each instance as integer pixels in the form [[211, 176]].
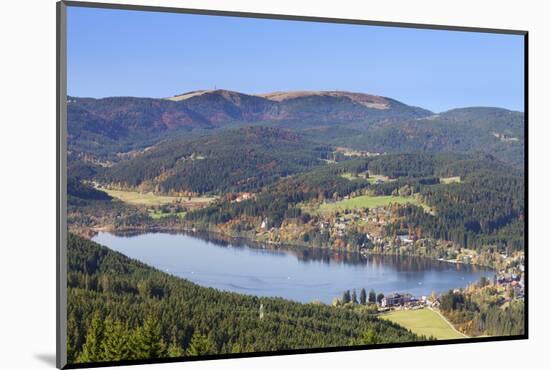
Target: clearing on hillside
[[367, 201], [157, 215], [449, 180], [150, 199], [371, 178], [424, 322]]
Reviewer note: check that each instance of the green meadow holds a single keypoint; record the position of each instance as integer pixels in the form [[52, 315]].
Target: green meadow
[[367, 201], [424, 322]]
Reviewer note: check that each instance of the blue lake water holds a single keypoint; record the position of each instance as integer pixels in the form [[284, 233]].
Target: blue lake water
[[298, 274]]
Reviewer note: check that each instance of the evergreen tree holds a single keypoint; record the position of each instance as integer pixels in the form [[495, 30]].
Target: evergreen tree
[[354, 296], [200, 345], [369, 337], [91, 350], [236, 348], [73, 338], [379, 298], [115, 345], [363, 296], [174, 349], [372, 296], [146, 341], [346, 297]]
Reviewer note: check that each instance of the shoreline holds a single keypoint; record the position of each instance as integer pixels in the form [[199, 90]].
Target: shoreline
[[221, 238], [254, 242]]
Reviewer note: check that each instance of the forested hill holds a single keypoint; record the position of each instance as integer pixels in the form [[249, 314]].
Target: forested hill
[[495, 131], [485, 209], [121, 309], [230, 160], [105, 128], [118, 124]]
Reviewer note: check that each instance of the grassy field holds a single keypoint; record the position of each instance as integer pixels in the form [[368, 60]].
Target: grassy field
[[150, 199], [157, 215], [372, 179], [449, 180], [134, 197], [367, 201], [423, 322], [348, 176]]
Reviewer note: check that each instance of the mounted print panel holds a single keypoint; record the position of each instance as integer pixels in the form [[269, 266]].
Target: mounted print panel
[[237, 185]]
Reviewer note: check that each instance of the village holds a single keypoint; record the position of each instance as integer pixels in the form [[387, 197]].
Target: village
[[458, 313], [504, 286], [365, 230]]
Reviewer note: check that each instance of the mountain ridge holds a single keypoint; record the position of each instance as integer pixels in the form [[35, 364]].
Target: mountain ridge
[[107, 126], [106, 121]]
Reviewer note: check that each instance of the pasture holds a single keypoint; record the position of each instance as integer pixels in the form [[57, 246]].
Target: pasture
[[450, 180], [157, 215], [424, 322], [151, 199], [367, 201]]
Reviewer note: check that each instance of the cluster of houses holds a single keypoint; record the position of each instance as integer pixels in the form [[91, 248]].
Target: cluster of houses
[[509, 281], [357, 153], [407, 301], [378, 216], [338, 226], [244, 196], [341, 223], [512, 283], [504, 137]]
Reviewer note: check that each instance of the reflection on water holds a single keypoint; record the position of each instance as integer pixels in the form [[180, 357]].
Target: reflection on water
[[301, 274]]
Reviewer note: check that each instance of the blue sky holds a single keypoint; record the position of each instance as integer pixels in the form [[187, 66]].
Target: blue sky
[[134, 53]]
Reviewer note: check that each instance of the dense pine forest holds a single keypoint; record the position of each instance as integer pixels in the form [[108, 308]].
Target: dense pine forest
[[494, 131], [234, 160], [119, 308]]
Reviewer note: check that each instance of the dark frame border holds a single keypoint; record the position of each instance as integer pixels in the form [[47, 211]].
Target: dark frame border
[[61, 186], [61, 169]]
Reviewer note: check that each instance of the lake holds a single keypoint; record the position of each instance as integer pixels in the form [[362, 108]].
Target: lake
[[298, 274]]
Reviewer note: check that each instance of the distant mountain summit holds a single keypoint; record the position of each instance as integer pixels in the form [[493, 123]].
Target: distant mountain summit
[[321, 106], [226, 94], [224, 107], [369, 101]]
